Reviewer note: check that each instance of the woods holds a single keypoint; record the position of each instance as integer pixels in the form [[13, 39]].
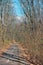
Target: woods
[[27, 29]]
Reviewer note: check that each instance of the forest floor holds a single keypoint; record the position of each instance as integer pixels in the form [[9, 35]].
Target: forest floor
[[5, 46], [23, 53]]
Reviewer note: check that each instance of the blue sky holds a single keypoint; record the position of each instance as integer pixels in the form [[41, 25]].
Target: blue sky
[[17, 8]]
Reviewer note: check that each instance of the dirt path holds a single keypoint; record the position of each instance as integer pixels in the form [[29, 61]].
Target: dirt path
[[6, 46], [13, 49]]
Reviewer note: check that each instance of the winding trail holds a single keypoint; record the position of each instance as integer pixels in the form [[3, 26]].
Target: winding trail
[[12, 56]]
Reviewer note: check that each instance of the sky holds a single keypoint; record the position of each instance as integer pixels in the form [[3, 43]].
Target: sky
[[17, 8]]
